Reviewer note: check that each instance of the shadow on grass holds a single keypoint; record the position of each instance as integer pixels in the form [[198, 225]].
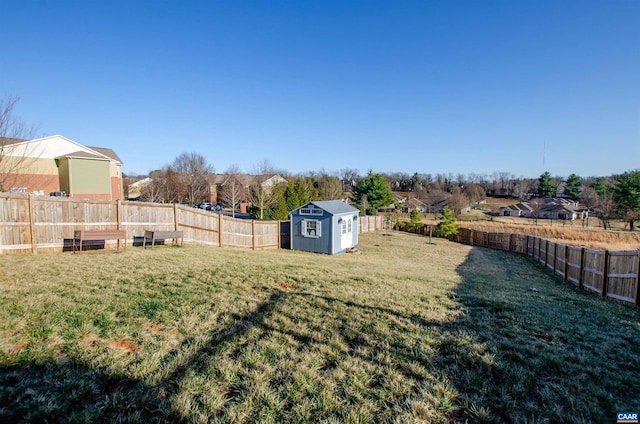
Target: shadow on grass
[[508, 354], [75, 392], [556, 353]]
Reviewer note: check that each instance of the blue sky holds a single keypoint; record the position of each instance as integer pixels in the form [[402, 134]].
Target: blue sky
[[390, 86]]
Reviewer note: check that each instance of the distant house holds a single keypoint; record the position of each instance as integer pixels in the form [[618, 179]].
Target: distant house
[[329, 226], [135, 189], [519, 209], [551, 208], [57, 164], [218, 183]]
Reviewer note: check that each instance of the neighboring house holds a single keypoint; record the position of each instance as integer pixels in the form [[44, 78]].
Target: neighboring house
[[414, 203], [553, 208], [58, 164], [218, 182], [521, 209], [328, 226], [135, 189]]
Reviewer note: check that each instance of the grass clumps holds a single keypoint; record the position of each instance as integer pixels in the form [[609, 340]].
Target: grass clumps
[[404, 332]]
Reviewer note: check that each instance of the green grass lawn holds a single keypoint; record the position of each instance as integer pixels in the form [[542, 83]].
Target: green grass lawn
[[405, 331]]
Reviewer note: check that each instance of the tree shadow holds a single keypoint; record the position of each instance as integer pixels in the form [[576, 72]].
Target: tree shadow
[[545, 362], [74, 391], [503, 353]]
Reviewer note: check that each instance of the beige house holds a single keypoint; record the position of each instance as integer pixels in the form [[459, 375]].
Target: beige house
[[57, 164]]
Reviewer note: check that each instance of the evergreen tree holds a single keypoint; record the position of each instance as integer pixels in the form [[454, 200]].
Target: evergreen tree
[[601, 185], [448, 226], [573, 187], [280, 210], [416, 220], [626, 192], [546, 188], [374, 189]]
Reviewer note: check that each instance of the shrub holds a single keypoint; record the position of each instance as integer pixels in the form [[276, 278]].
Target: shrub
[[448, 226]]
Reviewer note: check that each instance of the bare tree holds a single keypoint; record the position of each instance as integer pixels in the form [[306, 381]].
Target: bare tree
[[607, 208], [194, 170], [167, 186], [260, 192], [349, 178], [329, 188], [435, 198], [15, 156], [232, 190], [155, 190]]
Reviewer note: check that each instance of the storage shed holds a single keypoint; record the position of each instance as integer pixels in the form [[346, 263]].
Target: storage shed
[[328, 226]]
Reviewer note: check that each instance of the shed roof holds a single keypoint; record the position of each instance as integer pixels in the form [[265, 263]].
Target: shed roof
[[334, 206]]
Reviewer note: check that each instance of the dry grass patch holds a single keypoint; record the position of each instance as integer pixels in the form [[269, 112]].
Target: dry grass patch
[[404, 332], [572, 235]]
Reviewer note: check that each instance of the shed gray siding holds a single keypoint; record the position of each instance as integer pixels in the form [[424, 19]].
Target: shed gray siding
[[329, 242]]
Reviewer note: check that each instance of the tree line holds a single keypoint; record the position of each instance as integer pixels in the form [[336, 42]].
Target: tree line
[[185, 180]]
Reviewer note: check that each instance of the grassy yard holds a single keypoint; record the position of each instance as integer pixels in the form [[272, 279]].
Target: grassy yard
[[406, 331]]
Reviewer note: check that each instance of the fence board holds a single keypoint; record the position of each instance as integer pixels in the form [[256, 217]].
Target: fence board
[[622, 275], [560, 260], [519, 243], [499, 241], [593, 270], [550, 260], [573, 264]]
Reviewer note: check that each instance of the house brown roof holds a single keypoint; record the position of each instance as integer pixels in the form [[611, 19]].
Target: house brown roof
[[107, 152], [81, 154]]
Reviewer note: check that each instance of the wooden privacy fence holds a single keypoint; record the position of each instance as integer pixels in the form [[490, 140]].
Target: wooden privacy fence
[[29, 223], [610, 274]]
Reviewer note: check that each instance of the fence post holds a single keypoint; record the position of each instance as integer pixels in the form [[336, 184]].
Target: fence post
[[539, 248], [118, 217], [220, 220], [566, 263], [638, 283], [583, 253], [605, 271], [526, 248], [253, 234], [175, 217], [279, 234], [32, 224]]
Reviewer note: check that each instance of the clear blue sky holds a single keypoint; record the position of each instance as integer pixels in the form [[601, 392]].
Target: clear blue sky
[[394, 86]]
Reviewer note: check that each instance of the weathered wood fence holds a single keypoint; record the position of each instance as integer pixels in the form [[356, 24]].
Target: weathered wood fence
[[29, 223], [610, 274]]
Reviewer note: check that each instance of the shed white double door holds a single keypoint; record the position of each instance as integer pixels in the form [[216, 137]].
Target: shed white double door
[[346, 236]]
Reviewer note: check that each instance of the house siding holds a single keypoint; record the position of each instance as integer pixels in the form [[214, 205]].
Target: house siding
[[89, 177], [45, 167]]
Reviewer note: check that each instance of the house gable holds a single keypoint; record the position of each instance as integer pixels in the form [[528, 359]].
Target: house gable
[[47, 168]]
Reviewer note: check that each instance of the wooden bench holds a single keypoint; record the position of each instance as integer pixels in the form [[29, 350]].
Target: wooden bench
[[161, 235], [82, 235]]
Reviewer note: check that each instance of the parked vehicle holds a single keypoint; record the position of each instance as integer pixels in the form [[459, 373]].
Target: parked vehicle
[[203, 205], [208, 206]]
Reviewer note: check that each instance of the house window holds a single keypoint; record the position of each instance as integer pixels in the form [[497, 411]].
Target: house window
[[311, 228], [310, 211]]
